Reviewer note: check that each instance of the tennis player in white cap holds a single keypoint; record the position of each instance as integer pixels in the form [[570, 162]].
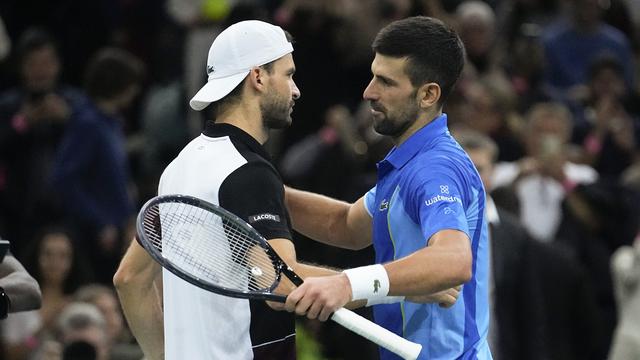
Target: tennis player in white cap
[[250, 82]]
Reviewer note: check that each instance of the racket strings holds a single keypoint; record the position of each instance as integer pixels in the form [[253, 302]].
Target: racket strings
[[213, 248]]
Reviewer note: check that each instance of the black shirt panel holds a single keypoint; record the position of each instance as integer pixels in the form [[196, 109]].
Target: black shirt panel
[[254, 193]]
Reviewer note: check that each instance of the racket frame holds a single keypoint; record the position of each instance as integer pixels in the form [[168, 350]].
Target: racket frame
[[280, 266]]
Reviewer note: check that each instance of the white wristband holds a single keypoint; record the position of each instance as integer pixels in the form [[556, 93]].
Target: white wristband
[[385, 300], [368, 282]]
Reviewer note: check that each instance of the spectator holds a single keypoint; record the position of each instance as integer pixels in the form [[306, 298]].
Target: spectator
[[33, 117], [625, 271], [91, 168], [543, 178], [121, 343], [597, 219], [58, 272], [493, 113], [530, 17], [609, 119], [477, 27], [82, 332], [574, 42], [525, 66], [625, 267]]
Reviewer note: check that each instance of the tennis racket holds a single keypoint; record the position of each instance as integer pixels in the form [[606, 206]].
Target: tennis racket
[[215, 250]]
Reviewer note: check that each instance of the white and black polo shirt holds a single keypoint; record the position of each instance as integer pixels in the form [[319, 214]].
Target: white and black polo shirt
[[228, 167]]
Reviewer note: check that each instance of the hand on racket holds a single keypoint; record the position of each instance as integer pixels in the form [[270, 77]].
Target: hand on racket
[[215, 250], [319, 297]]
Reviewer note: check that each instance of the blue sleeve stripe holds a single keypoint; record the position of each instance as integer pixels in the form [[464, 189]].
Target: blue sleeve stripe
[[471, 334]]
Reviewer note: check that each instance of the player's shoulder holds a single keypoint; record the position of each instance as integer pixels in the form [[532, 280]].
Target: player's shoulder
[[444, 158], [445, 162]]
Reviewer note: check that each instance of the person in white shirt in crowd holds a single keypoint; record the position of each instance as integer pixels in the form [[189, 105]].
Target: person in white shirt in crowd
[[542, 179]]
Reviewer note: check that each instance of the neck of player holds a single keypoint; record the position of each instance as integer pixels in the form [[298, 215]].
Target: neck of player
[[247, 116]]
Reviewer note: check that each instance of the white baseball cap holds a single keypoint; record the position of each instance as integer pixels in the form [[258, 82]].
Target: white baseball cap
[[234, 52]]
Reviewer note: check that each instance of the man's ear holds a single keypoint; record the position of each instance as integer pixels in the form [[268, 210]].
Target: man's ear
[[429, 95], [257, 78]]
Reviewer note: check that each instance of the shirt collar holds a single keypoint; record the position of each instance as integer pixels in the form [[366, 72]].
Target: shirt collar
[[400, 155], [218, 130]]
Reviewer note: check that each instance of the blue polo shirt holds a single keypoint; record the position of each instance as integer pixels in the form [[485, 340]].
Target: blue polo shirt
[[426, 185]]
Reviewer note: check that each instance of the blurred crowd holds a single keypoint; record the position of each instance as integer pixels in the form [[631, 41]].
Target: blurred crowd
[[93, 106]]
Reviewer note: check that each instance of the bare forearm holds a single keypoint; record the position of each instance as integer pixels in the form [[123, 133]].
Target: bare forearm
[[327, 220], [138, 282], [306, 210], [432, 269], [143, 311]]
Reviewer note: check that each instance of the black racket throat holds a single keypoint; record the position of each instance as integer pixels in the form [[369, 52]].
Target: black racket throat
[[295, 279]]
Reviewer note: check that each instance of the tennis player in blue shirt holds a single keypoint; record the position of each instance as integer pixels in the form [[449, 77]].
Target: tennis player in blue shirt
[[425, 216]]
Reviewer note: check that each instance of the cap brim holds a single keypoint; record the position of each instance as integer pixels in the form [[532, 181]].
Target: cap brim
[[215, 89]]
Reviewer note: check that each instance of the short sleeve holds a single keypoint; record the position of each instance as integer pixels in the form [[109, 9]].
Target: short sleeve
[[254, 192], [438, 201], [370, 200]]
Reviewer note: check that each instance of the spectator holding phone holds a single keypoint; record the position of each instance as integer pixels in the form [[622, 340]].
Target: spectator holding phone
[[543, 178]]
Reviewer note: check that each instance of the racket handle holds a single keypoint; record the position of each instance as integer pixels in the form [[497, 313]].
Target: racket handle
[[377, 334]]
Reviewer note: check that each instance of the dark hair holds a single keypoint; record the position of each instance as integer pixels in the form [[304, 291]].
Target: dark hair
[[112, 71], [435, 52], [235, 94], [79, 272], [34, 39]]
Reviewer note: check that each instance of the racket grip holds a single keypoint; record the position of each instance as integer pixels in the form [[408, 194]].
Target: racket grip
[[377, 334]]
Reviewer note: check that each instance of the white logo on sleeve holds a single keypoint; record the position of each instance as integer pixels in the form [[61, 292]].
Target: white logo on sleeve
[[439, 198], [261, 217], [443, 196]]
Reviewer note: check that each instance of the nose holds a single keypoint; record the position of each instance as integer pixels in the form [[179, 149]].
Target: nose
[[295, 92], [369, 93]]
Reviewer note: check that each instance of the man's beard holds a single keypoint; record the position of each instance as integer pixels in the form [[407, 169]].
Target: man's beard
[[275, 111], [395, 125]]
